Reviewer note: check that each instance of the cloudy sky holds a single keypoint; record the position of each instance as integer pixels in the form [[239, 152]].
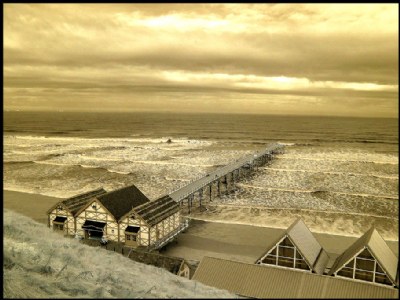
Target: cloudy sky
[[317, 59]]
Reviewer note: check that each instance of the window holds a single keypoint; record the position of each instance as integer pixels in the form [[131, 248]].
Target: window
[[94, 206], [362, 268], [270, 259], [285, 262], [288, 256], [346, 272], [128, 237], [365, 264], [301, 264], [364, 275]]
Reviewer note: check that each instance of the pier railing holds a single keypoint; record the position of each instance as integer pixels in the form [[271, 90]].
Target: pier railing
[[201, 181]]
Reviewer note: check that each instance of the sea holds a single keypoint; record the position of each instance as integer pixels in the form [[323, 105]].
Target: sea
[[340, 174]]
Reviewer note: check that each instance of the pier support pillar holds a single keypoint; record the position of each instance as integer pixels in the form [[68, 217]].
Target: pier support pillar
[[211, 191], [200, 196], [219, 188]]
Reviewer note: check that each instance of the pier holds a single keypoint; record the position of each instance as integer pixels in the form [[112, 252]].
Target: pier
[[223, 178]]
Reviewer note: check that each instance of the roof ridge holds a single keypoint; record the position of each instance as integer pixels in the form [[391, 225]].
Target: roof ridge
[[84, 193], [295, 223], [121, 188]]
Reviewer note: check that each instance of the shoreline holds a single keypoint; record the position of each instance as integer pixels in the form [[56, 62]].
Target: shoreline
[[242, 242]]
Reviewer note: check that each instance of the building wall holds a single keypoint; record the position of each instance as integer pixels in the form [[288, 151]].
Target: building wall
[[143, 235], [165, 227], [98, 215], [69, 225]]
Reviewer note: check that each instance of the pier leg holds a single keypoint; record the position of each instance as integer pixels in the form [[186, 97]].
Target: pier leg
[[219, 188], [211, 191], [200, 196]]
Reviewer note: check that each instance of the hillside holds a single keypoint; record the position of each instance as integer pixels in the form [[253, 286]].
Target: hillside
[[39, 263]]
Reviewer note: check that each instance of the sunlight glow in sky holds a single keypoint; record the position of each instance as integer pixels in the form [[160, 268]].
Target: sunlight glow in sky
[[316, 59]]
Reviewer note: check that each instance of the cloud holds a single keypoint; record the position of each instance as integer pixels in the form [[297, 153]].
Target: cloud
[[233, 48]]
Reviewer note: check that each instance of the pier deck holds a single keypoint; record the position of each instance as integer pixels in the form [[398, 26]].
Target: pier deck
[[248, 162]]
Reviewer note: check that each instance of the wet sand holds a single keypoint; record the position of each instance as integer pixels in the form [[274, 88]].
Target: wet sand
[[231, 241]]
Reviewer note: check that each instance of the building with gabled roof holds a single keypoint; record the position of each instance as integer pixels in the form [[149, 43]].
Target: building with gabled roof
[[151, 224], [369, 259], [101, 215], [61, 216], [296, 248], [268, 281]]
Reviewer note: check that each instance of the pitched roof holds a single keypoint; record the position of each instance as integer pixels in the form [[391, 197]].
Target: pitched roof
[[266, 281], [306, 244], [121, 201], [304, 241], [155, 211], [378, 248], [74, 203]]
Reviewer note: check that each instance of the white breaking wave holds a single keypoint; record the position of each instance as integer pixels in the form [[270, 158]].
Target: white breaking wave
[[361, 160], [331, 172], [313, 191]]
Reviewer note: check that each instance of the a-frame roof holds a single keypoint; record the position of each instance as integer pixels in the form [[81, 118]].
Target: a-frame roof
[[121, 201], [378, 248], [307, 245], [75, 203]]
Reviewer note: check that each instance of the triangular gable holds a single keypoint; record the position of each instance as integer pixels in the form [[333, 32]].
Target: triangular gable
[[57, 205], [351, 252], [370, 242], [307, 247], [283, 248], [132, 212], [90, 203], [70, 203]]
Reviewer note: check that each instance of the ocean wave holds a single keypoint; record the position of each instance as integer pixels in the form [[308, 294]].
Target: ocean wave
[[316, 191], [281, 156], [327, 222], [396, 177]]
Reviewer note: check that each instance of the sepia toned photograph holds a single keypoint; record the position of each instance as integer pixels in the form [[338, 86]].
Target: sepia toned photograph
[[200, 150]]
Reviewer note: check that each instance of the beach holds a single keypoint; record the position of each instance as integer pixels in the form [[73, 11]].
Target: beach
[[230, 241]]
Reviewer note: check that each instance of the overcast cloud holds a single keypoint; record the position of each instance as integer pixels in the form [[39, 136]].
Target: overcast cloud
[[318, 59]]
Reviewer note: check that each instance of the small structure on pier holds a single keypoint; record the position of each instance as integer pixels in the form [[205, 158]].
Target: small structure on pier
[[296, 248], [368, 259], [61, 216], [152, 224]]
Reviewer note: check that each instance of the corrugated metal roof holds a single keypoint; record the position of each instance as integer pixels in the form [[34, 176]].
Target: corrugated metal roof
[[155, 211], [257, 281], [378, 248], [73, 204]]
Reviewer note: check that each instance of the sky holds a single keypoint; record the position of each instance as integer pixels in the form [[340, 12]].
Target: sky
[[306, 59]]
